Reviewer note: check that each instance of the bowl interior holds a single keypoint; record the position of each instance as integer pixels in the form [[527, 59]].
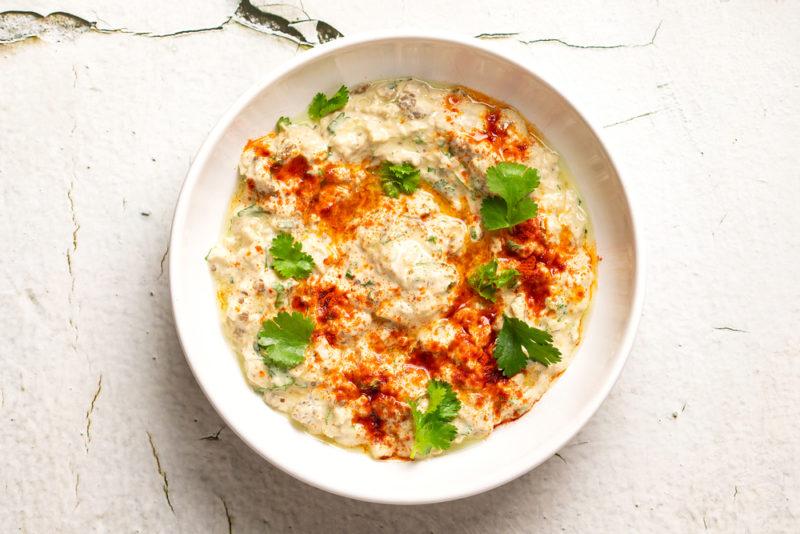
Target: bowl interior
[[512, 449]]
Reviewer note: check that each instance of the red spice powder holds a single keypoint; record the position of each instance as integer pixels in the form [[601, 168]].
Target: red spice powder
[[538, 259]]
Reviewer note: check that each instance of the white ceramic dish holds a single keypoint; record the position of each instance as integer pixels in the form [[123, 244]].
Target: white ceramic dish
[[513, 449]]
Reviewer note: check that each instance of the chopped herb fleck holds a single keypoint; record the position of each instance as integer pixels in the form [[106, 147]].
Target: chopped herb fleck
[[251, 210], [282, 123], [280, 294], [485, 279], [335, 123], [513, 246]]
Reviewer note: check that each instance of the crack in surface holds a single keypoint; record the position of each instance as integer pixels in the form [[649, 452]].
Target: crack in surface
[[500, 35], [75, 227], [163, 258], [90, 411], [279, 20], [74, 215], [596, 46], [213, 437], [730, 329], [161, 472], [35, 301], [228, 516], [632, 118], [69, 269], [184, 32], [77, 485]]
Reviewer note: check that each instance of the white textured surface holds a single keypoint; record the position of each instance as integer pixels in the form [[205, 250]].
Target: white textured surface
[[701, 432]]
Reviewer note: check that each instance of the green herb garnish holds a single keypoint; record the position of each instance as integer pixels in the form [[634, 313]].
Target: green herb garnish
[[282, 340], [282, 123], [252, 209], [516, 335], [280, 294], [334, 124], [486, 281], [512, 183], [396, 179], [322, 105], [289, 259], [433, 428]]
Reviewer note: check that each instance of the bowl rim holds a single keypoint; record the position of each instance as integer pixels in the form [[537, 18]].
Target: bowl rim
[[363, 38]]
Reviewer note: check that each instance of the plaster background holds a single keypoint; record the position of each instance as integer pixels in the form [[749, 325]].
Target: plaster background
[[100, 413]]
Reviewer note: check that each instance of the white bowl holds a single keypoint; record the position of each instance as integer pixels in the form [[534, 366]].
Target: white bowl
[[512, 449]]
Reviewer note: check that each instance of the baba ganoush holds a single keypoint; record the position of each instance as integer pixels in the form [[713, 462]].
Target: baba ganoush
[[406, 266]]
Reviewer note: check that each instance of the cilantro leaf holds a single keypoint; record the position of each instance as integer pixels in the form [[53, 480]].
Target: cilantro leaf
[[433, 428], [512, 183], [431, 434], [494, 213], [289, 259], [443, 400], [282, 340], [282, 123], [516, 335], [322, 105], [396, 179], [485, 280]]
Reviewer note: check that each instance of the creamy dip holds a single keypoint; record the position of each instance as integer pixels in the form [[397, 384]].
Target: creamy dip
[[389, 294]]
